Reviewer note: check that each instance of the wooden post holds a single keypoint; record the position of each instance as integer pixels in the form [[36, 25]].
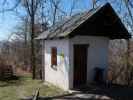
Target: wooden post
[[36, 95], [128, 63], [43, 60]]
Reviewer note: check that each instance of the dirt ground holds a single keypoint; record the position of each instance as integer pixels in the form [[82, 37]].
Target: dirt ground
[[114, 92]]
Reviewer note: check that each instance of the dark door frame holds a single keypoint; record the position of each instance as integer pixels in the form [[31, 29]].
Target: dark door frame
[[83, 47]]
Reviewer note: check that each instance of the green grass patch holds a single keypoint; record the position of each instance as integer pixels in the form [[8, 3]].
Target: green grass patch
[[24, 86]]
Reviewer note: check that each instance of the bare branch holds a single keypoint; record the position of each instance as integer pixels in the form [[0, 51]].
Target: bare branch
[[12, 8]]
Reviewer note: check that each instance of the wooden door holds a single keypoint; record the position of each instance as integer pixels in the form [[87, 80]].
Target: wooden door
[[80, 65]]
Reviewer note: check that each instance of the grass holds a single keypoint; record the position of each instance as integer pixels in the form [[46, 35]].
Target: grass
[[24, 86]]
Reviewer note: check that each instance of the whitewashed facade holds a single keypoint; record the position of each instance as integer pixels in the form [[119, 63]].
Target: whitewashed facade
[[63, 75], [59, 76]]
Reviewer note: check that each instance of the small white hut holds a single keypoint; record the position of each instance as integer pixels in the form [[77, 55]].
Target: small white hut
[[75, 49]]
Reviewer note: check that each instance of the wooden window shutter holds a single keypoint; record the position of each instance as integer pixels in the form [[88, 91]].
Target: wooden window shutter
[[54, 56]]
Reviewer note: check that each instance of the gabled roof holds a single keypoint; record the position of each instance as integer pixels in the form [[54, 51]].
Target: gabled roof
[[90, 23]]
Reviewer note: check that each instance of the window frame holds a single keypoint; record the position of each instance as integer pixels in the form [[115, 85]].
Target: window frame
[[53, 56]]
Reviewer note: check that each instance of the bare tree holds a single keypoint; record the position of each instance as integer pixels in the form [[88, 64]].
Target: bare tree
[[94, 3], [31, 7]]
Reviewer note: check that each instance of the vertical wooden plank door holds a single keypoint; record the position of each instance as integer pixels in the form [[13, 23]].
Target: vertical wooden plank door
[[80, 65]]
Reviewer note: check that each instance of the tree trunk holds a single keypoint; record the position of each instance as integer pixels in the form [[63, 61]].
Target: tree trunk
[[33, 58], [25, 43]]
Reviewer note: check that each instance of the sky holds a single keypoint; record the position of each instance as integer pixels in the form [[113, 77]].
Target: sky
[[8, 21], [7, 24]]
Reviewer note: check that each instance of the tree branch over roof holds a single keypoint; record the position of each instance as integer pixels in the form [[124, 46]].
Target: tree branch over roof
[[12, 8]]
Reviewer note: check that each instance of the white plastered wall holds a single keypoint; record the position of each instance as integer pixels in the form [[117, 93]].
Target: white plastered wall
[[97, 55], [57, 77], [63, 76]]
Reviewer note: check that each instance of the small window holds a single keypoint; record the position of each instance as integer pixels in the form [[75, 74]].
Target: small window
[[53, 56]]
